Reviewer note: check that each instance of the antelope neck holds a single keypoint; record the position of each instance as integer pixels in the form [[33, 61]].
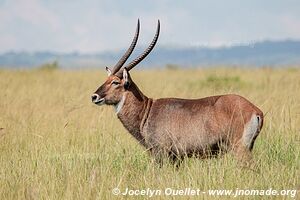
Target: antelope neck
[[134, 112]]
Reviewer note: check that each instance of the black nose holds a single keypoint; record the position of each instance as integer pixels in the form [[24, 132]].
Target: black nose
[[95, 97]]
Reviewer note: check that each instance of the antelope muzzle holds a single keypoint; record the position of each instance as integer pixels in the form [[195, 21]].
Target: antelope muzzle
[[96, 99]]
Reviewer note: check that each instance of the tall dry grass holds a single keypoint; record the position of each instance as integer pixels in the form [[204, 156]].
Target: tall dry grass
[[55, 144]]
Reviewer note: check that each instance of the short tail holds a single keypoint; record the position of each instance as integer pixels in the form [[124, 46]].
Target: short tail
[[260, 120], [252, 130]]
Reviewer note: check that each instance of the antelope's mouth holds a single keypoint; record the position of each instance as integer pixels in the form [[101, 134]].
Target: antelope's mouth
[[100, 101], [97, 100]]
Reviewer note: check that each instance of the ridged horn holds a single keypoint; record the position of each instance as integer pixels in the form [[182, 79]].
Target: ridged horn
[[145, 53], [129, 50]]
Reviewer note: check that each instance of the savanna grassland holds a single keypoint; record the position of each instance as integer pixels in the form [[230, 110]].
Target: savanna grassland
[[55, 144]]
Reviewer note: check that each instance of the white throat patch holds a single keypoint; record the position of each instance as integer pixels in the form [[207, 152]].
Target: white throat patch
[[119, 106]]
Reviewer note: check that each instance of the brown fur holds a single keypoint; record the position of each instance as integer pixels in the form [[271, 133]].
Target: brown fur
[[184, 127], [180, 127]]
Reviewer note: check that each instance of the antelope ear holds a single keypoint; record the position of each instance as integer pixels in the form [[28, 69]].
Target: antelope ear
[[108, 71], [125, 78]]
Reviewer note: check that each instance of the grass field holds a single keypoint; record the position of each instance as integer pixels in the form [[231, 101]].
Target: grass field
[[55, 144]]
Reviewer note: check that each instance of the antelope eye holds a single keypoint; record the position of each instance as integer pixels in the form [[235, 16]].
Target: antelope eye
[[115, 83]]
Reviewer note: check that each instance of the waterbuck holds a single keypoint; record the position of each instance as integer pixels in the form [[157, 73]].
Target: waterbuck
[[175, 127]]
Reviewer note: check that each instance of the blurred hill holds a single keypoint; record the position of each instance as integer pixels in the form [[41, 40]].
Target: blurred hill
[[266, 53]]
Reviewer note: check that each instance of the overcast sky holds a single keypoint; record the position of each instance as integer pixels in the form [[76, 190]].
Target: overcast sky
[[100, 25]]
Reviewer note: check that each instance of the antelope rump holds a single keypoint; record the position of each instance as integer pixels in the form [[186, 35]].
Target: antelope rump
[[175, 127]]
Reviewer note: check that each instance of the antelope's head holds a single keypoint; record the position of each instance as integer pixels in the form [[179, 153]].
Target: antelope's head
[[118, 80]]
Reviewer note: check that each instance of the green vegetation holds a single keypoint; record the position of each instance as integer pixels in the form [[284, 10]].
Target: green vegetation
[[55, 144], [49, 66]]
